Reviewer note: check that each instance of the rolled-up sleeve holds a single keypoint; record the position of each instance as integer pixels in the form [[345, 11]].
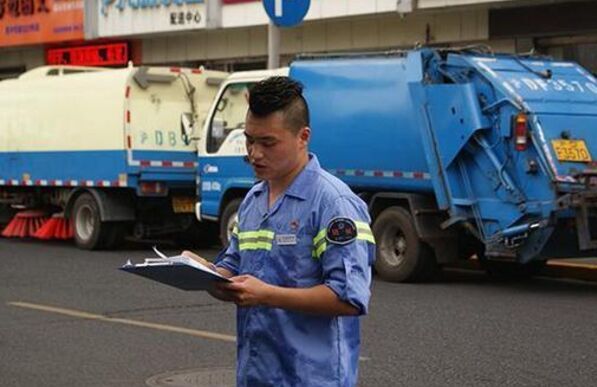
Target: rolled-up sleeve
[[229, 258], [346, 266]]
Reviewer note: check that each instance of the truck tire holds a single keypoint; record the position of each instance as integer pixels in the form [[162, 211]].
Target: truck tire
[[228, 221], [401, 255], [89, 231]]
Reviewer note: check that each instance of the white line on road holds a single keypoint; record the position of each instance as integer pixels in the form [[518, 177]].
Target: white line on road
[[143, 324], [125, 321]]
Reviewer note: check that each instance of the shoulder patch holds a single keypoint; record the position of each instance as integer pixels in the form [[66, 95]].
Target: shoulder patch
[[341, 231]]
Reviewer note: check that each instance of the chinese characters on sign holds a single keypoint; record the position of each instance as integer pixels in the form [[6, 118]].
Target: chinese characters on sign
[[97, 55], [133, 17], [40, 21], [181, 18]]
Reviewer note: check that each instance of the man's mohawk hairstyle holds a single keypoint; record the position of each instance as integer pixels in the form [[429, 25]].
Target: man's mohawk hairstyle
[[274, 94]]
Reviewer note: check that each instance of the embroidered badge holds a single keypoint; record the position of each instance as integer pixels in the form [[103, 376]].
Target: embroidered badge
[[341, 231], [294, 225], [286, 240]]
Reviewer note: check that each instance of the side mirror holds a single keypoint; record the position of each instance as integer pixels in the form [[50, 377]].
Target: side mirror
[[187, 127]]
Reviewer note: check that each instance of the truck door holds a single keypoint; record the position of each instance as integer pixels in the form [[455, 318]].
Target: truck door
[[224, 176]]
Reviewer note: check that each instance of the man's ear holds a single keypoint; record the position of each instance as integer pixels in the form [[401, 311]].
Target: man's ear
[[305, 135]]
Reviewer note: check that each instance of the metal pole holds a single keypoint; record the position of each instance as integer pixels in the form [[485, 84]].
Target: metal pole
[[213, 14], [273, 46]]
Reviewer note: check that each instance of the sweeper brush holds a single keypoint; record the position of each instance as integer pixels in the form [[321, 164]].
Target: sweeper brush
[[25, 224], [57, 227]]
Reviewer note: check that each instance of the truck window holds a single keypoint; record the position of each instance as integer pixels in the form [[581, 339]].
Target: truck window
[[229, 115]]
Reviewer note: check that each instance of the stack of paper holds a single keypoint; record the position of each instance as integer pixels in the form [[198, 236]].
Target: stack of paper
[[177, 271]]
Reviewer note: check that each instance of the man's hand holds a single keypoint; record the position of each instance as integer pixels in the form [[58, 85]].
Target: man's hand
[[190, 254], [247, 290], [217, 292]]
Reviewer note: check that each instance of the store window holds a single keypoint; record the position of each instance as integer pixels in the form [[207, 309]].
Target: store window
[[584, 54]]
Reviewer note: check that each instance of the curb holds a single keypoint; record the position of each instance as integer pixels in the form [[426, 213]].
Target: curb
[[554, 269], [562, 269]]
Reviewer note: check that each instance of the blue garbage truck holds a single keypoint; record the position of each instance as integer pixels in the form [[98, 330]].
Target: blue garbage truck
[[456, 151]]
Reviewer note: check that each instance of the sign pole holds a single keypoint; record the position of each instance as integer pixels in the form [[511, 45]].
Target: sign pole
[[281, 13], [273, 46]]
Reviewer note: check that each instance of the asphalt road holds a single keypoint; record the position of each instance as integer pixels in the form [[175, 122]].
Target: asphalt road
[[70, 318]]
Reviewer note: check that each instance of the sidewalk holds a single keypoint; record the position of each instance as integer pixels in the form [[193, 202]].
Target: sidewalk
[[578, 268], [583, 269]]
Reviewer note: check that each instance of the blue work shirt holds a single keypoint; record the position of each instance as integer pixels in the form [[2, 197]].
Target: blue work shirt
[[290, 245]]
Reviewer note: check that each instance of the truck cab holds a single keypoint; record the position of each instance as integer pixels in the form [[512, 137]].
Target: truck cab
[[223, 176]]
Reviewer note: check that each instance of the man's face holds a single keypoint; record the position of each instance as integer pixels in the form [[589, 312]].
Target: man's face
[[273, 150]]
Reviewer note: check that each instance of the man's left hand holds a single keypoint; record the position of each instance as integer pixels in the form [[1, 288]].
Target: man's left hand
[[247, 290]]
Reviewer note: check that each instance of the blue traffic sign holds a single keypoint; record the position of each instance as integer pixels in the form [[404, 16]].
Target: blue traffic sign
[[286, 13]]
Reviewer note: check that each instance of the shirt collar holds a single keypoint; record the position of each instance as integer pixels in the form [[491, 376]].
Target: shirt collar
[[301, 183]]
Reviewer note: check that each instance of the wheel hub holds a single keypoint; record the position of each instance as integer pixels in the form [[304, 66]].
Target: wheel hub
[[394, 243], [84, 222]]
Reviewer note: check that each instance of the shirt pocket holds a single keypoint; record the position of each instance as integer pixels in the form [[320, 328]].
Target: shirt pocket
[[294, 257]]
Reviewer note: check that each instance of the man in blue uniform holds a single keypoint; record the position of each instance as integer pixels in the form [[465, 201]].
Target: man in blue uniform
[[301, 255]]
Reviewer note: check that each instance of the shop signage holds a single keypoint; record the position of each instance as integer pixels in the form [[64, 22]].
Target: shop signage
[[111, 54], [25, 22], [134, 17]]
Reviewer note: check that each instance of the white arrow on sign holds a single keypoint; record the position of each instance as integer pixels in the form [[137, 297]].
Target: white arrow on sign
[[278, 8]]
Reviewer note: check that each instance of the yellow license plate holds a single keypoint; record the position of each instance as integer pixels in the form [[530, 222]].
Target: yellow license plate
[[183, 204], [571, 150]]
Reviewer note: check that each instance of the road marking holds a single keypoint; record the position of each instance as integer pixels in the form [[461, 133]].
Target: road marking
[[125, 321]]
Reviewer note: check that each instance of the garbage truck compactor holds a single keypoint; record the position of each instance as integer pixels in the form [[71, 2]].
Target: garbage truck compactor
[[103, 148], [459, 153]]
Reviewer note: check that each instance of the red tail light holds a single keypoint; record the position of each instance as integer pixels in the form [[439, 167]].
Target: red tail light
[[152, 188], [521, 132]]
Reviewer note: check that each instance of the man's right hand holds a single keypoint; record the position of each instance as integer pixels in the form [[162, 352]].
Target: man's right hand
[[216, 292]]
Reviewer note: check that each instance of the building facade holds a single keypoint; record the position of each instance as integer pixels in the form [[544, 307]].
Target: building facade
[[232, 34]]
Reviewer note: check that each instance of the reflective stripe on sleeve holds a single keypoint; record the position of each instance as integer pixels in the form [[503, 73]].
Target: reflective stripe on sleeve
[[255, 240], [320, 244], [364, 232]]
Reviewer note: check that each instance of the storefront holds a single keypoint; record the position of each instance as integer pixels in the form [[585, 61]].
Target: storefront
[[565, 31], [233, 35], [27, 25]]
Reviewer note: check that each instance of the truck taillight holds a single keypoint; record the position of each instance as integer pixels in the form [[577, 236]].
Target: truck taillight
[[521, 132], [152, 188]]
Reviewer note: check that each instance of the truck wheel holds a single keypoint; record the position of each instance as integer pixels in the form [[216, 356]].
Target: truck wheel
[[228, 221], [401, 255], [90, 232]]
